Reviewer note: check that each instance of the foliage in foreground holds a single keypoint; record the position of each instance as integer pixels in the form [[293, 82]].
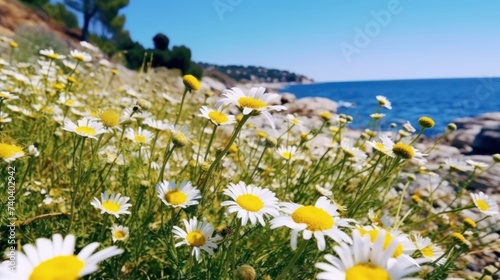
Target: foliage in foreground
[[173, 186]]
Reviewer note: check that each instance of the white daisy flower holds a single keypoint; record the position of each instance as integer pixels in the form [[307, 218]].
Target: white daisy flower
[[81, 56], [89, 46], [104, 62], [180, 135], [170, 99], [476, 164], [51, 54], [377, 116], [113, 204], [383, 102], [288, 153], [33, 151], [156, 124], [197, 235], [69, 102], [429, 250], [216, 116], [10, 153], [69, 64], [255, 102], [85, 128], [385, 146], [293, 120], [453, 164], [351, 152], [321, 219], [404, 151], [55, 259], [251, 203], [408, 127], [485, 204], [4, 118], [119, 233], [5, 95], [404, 245], [141, 136], [184, 196], [362, 260]]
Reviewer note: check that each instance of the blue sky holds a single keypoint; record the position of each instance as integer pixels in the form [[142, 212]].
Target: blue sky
[[331, 40]]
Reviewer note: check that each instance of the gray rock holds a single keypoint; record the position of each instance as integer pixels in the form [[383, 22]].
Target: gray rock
[[487, 141], [312, 106]]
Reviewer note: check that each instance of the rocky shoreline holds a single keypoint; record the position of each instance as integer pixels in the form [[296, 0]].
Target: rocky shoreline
[[476, 138]]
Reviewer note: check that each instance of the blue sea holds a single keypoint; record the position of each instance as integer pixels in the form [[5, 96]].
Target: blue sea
[[444, 100]]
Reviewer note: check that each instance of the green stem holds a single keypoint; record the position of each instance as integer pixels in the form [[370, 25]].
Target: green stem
[[210, 142], [233, 248], [180, 107], [396, 222], [295, 257], [164, 164], [257, 165], [224, 152]]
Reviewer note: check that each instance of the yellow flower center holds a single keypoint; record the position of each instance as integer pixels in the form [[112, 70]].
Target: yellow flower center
[[53, 55], [176, 197], [218, 117], [69, 102], [426, 122], [85, 130], [7, 151], [191, 82], [387, 240], [379, 146], [470, 222], [110, 118], [119, 234], [4, 95], [140, 138], [195, 238], [348, 153], [79, 57], [482, 205], [315, 218], [295, 121], [48, 110], [111, 206], [261, 134], [366, 271], [427, 252], [382, 101], [287, 155], [402, 150], [459, 237], [250, 102], [250, 202], [58, 268], [326, 115], [179, 139], [71, 80]]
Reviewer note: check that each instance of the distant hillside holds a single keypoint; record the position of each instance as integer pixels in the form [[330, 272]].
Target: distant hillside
[[255, 73]]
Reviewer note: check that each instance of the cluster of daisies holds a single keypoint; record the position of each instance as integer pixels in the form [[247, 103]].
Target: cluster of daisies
[[380, 250]]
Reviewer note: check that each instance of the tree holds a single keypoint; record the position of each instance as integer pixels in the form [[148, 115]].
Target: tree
[[105, 11], [161, 41]]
